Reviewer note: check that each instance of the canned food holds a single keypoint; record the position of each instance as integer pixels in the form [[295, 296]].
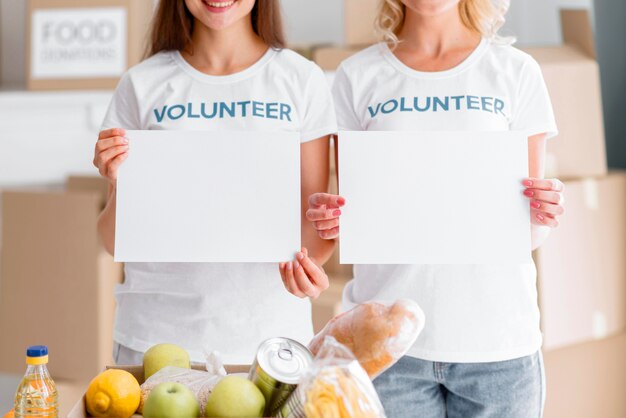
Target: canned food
[[294, 406], [276, 370]]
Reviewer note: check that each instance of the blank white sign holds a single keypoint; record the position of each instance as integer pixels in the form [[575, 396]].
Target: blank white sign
[[434, 198], [209, 197]]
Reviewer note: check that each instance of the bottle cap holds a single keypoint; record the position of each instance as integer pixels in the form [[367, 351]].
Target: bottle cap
[[37, 354], [37, 351]]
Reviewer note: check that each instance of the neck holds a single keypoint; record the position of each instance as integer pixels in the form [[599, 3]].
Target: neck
[[436, 34], [225, 51]]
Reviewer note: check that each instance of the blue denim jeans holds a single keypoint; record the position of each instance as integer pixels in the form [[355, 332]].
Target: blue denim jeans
[[504, 389]]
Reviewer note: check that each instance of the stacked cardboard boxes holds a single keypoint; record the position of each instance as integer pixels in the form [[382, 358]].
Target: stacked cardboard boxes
[[57, 278], [581, 266]]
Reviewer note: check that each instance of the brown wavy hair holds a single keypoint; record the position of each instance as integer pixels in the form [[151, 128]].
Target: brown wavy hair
[[172, 25]]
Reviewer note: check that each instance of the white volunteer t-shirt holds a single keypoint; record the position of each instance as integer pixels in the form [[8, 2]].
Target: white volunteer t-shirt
[[230, 307], [474, 313]]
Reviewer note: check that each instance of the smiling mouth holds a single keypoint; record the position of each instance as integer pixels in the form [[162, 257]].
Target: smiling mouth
[[220, 4]]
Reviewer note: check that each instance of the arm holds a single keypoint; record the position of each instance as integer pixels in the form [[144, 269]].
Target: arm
[[314, 178], [545, 195], [111, 151], [305, 276], [106, 222]]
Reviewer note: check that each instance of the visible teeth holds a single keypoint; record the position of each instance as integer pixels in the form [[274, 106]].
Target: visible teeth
[[227, 4]]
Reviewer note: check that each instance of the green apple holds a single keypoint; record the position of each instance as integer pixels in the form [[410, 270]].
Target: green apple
[[162, 355], [235, 396], [171, 400]]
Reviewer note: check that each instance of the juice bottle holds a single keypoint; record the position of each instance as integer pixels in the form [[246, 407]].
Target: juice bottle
[[36, 395]]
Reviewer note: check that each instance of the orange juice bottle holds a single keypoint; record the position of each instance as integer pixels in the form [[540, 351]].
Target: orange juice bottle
[[36, 395]]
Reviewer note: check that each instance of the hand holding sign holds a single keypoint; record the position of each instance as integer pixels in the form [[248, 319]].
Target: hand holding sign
[[324, 212], [304, 277], [546, 200], [111, 151]]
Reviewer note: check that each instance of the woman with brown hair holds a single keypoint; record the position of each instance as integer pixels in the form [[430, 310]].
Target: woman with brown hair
[[218, 65], [479, 352]]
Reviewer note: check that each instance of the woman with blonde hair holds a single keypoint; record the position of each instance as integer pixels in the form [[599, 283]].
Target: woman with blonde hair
[[479, 353]]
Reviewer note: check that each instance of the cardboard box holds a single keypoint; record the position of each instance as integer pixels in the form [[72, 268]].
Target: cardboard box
[[587, 380], [78, 411], [77, 183], [359, 16], [84, 44], [329, 57], [57, 282], [573, 79], [582, 265]]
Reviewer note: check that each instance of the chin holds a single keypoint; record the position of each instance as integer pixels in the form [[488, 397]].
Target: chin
[[430, 7], [219, 14]]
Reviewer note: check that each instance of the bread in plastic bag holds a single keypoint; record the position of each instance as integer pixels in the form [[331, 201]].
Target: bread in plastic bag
[[377, 333], [335, 386], [200, 382]]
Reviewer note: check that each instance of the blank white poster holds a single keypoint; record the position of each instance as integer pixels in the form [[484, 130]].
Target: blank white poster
[[434, 198], [209, 197]]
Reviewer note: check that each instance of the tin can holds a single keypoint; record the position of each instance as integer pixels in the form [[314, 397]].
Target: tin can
[[294, 406], [276, 370]]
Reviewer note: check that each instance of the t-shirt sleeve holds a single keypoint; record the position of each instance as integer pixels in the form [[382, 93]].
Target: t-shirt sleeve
[[533, 111], [319, 114], [343, 97], [123, 111]]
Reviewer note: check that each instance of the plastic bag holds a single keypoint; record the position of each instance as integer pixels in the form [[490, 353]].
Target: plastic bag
[[377, 333], [335, 386], [200, 382]]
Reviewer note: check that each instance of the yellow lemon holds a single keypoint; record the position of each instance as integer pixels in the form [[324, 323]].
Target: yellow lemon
[[113, 393]]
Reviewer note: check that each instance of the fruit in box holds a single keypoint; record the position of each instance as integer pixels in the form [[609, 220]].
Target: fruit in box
[[235, 396], [171, 400], [113, 393], [161, 355]]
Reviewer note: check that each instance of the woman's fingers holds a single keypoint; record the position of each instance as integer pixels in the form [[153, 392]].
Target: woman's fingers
[[545, 196], [289, 280], [315, 273], [111, 132], [321, 214], [329, 233], [103, 144], [114, 165], [324, 225], [303, 282], [549, 208], [103, 158], [542, 218], [318, 200], [544, 184]]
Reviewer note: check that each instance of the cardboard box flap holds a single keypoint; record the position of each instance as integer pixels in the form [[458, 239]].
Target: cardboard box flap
[[562, 54], [577, 31]]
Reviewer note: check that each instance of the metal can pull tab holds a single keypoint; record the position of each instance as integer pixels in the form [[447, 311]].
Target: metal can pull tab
[[285, 352]]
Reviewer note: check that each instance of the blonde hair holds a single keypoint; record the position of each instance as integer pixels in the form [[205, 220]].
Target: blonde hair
[[485, 17]]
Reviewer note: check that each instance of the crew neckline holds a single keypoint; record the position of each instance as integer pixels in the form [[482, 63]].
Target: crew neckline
[[462, 66], [229, 78]]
